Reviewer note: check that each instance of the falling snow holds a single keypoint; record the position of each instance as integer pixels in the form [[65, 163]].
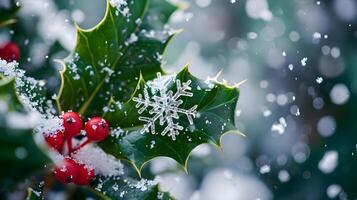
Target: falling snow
[[280, 126], [329, 162], [303, 61], [319, 80], [264, 169]]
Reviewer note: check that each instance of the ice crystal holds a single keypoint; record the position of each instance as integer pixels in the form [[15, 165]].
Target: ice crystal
[[165, 106]]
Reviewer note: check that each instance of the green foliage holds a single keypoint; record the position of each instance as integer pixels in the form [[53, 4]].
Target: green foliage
[[126, 188], [216, 108], [111, 64], [8, 14], [109, 58], [105, 68], [20, 157]]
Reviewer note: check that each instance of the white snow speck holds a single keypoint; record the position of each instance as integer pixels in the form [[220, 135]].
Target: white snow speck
[[284, 176], [340, 94], [319, 80], [333, 191], [264, 169], [303, 61], [291, 67], [280, 126], [329, 162]]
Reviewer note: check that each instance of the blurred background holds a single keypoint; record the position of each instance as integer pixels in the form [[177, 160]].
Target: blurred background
[[299, 60]]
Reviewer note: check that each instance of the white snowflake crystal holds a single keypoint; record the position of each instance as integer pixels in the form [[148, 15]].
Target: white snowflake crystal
[[165, 106]]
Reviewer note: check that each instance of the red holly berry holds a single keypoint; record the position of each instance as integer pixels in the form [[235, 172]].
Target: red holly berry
[[72, 123], [67, 170], [85, 175], [55, 140], [97, 129], [9, 52]]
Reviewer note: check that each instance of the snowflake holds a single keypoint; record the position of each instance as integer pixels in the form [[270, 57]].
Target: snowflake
[[164, 105]]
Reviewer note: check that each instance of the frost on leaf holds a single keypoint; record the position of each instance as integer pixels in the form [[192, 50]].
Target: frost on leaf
[[164, 105], [31, 92]]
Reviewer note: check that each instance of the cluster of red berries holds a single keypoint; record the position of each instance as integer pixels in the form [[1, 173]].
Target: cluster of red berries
[[9, 52], [96, 129]]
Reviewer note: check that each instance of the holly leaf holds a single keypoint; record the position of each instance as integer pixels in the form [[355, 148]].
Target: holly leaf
[[29, 91], [8, 94], [127, 189], [8, 12], [33, 195], [214, 102], [19, 154], [109, 58], [158, 14]]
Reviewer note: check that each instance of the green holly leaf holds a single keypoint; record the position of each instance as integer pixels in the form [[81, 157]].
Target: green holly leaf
[[8, 12], [158, 14], [8, 94], [133, 140], [109, 58], [19, 155], [29, 91], [33, 195], [127, 189]]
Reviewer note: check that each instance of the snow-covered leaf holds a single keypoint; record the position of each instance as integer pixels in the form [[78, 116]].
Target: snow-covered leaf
[[193, 112], [128, 189], [109, 58], [30, 92], [20, 156]]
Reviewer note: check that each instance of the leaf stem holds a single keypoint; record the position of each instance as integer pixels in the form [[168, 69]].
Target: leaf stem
[[81, 145]]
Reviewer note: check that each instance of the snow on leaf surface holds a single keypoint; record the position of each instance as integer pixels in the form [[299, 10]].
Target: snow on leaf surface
[[215, 104], [125, 188], [108, 59], [25, 157], [30, 92]]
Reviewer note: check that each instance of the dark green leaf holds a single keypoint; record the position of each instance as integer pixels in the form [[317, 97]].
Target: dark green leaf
[[31, 92], [158, 14], [109, 58], [35, 192], [7, 14], [19, 155], [216, 109], [128, 189], [8, 95]]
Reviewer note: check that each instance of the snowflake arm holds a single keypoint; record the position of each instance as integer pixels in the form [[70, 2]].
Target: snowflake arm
[[164, 106]]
